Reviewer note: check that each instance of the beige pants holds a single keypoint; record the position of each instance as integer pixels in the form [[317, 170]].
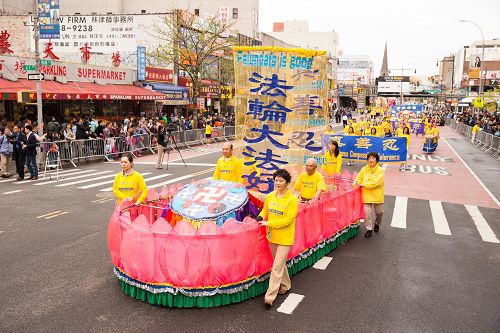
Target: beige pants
[[279, 273], [161, 151], [373, 214], [5, 163]]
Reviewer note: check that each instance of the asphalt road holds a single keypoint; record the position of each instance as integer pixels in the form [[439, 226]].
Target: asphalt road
[[57, 275]]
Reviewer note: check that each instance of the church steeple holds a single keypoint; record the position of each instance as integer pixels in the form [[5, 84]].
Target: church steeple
[[384, 71]]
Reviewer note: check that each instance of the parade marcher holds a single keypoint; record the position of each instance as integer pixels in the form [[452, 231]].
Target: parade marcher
[[19, 154], [332, 158], [228, 167], [371, 180], [129, 183], [405, 134], [161, 146], [310, 183], [30, 148], [329, 130], [6, 150], [279, 216], [475, 129]]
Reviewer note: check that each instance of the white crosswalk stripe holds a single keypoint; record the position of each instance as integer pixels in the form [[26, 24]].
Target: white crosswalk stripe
[[402, 217], [71, 178], [482, 226], [106, 182], [109, 189], [399, 215]]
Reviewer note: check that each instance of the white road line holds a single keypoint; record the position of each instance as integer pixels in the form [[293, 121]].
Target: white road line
[[440, 222], [10, 192], [8, 180], [71, 178], [56, 215], [482, 226], [322, 263], [86, 180], [290, 303], [109, 189], [106, 182], [39, 217], [180, 178], [1, 231], [399, 215], [473, 174], [103, 200]]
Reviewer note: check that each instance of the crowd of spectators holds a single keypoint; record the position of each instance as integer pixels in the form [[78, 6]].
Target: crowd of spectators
[[488, 122]]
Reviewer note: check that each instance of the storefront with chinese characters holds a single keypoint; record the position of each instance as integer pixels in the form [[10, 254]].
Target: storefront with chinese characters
[[209, 94], [72, 89], [162, 80]]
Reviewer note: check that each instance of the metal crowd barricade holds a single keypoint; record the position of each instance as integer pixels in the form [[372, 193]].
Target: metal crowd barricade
[[87, 148], [230, 132], [487, 142], [218, 134]]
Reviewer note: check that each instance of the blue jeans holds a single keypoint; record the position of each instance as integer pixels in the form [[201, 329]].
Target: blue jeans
[[31, 164]]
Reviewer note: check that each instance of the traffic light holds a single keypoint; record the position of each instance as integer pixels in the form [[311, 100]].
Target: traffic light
[[23, 97]]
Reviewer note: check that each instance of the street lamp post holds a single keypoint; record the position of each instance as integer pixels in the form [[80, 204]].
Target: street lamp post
[[482, 57]]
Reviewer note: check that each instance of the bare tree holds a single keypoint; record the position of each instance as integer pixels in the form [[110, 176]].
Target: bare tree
[[193, 45]]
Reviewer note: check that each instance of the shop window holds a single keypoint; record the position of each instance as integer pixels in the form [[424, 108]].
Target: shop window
[[197, 12], [235, 13]]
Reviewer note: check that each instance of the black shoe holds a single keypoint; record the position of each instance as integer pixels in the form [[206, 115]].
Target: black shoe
[[20, 178], [34, 178], [376, 228], [368, 233]]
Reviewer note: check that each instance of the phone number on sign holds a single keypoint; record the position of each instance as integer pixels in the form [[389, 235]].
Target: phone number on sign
[[75, 27]]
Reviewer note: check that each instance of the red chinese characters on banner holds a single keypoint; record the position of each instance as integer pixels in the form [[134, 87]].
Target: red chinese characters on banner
[[85, 49], [116, 59], [159, 75], [19, 66], [1, 64], [49, 53], [4, 43]]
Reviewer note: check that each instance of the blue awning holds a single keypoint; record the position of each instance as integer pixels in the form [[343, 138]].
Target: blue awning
[[172, 91]]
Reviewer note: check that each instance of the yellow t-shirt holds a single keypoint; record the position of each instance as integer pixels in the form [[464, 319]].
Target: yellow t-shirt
[[126, 186], [230, 170], [332, 164], [208, 129], [309, 185], [281, 214]]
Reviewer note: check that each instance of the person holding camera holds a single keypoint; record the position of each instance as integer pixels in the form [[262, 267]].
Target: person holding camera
[[161, 146]]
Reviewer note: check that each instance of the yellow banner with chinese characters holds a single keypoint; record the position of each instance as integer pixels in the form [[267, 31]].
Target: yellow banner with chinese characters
[[281, 99]]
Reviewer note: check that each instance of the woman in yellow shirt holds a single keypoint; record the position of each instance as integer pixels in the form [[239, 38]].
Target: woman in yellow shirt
[[329, 130], [332, 159], [278, 216], [405, 134], [129, 183]]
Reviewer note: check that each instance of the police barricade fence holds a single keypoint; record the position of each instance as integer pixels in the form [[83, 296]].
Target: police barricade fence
[[487, 142], [63, 146], [230, 132], [194, 137], [218, 134], [86, 149]]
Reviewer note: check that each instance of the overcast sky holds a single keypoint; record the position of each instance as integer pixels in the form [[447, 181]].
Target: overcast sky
[[418, 32]]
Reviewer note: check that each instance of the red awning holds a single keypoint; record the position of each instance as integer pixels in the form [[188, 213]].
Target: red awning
[[52, 90]]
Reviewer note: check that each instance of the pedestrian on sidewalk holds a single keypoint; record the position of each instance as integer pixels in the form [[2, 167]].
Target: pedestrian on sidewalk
[[279, 216], [371, 181], [19, 154], [30, 148], [6, 150]]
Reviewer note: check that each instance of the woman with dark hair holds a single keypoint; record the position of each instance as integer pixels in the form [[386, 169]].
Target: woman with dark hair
[[333, 158], [371, 180], [279, 215], [129, 183], [405, 134], [373, 131]]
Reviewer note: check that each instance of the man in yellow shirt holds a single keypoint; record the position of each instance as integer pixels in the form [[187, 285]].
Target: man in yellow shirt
[[208, 132], [310, 183], [371, 180], [228, 167]]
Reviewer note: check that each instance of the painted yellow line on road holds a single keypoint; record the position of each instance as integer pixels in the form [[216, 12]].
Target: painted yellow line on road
[[50, 217]]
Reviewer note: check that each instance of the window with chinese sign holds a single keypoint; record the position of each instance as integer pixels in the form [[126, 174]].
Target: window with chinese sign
[[281, 109]]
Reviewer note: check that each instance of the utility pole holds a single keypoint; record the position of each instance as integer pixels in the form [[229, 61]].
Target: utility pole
[[37, 66]]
